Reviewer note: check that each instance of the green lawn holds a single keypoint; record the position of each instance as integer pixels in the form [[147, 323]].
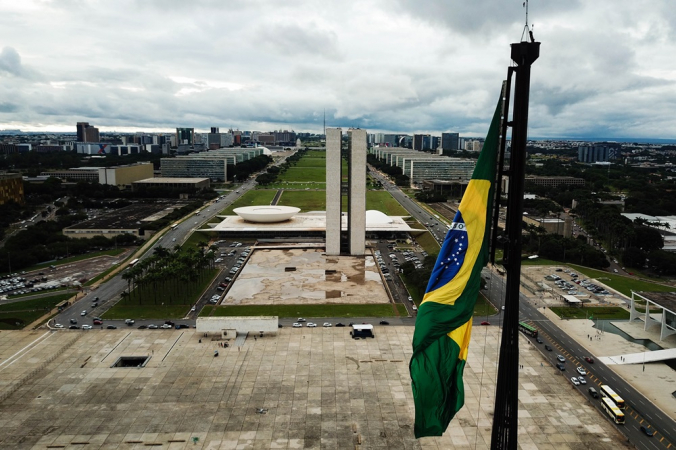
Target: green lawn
[[308, 311], [621, 283], [601, 312], [156, 303], [534, 262], [293, 174], [15, 316], [254, 197], [305, 200], [384, 202], [483, 307], [428, 243]]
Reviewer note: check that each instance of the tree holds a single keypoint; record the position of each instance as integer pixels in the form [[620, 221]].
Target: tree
[[634, 257]]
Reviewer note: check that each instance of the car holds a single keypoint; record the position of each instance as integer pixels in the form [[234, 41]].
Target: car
[[589, 359], [94, 305], [538, 340], [192, 309], [548, 348], [152, 327], [166, 326], [327, 324], [384, 322], [593, 392], [340, 324], [169, 322], [129, 321], [300, 319], [73, 327], [414, 308], [142, 327], [311, 325], [98, 322], [58, 325], [83, 313], [646, 431], [111, 327], [561, 358], [73, 321], [181, 326], [86, 327], [220, 288], [582, 380], [561, 367], [297, 325], [581, 371], [485, 322], [574, 381]]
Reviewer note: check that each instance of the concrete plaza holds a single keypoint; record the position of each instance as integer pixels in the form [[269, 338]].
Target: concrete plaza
[[304, 388]]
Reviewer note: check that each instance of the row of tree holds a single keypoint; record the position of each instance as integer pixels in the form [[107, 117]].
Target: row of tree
[[169, 275], [395, 172]]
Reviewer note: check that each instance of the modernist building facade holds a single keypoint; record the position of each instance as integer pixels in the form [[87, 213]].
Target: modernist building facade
[[11, 188], [353, 241], [212, 164]]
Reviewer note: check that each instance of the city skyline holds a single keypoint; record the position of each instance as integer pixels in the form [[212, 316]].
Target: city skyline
[[404, 67]]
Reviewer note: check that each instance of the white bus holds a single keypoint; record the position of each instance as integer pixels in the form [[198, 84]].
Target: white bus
[[134, 261], [173, 227], [606, 391], [613, 411]]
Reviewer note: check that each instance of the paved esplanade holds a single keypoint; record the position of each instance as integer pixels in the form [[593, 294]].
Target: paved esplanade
[[304, 388]]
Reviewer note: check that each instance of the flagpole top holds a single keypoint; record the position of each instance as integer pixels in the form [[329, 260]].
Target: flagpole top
[[525, 53]]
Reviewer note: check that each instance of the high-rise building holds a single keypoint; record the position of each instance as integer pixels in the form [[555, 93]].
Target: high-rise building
[[450, 142], [87, 133], [593, 153], [185, 136], [354, 241], [333, 190]]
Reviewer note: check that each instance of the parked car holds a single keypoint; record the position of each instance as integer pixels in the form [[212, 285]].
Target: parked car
[[384, 322], [152, 327], [166, 326], [181, 326], [297, 325], [58, 325], [485, 322], [142, 327], [311, 325], [326, 324], [73, 321], [340, 324], [73, 327], [86, 327], [98, 322], [111, 327]]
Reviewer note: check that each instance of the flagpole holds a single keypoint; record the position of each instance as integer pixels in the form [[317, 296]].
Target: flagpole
[[505, 418]]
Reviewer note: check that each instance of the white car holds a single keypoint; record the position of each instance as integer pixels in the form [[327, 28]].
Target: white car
[[86, 327], [574, 381], [297, 325], [58, 325], [165, 326], [581, 371], [192, 309], [311, 325], [300, 319], [83, 313], [326, 324], [582, 380]]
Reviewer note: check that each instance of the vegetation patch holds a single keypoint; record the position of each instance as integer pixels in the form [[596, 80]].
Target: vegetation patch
[[593, 312], [384, 202], [16, 315], [254, 197], [621, 283], [427, 242]]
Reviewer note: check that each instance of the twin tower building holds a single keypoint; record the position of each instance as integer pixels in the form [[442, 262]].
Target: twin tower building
[[345, 234]]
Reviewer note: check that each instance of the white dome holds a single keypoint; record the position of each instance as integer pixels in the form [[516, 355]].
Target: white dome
[[374, 217], [266, 214]]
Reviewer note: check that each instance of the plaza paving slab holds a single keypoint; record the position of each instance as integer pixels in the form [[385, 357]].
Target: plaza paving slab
[[304, 388]]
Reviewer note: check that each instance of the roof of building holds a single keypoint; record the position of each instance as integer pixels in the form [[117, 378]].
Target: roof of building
[[266, 213], [169, 180]]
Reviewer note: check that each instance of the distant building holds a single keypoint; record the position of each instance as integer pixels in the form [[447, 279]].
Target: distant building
[[212, 164], [102, 148], [561, 226], [75, 174], [450, 142], [87, 133], [185, 136], [125, 176], [189, 184], [594, 153], [422, 142], [11, 188], [554, 181]]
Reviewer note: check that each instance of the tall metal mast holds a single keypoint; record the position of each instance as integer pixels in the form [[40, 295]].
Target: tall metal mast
[[505, 419]]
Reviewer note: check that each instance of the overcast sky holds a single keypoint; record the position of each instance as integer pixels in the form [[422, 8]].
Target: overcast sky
[[607, 68]]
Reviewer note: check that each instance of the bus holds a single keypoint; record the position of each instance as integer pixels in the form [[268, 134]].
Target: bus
[[134, 261], [607, 392], [527, 329], [612, 410], [173, 227]]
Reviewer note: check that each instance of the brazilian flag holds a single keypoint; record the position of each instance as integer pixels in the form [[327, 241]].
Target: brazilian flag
[[444, 323]]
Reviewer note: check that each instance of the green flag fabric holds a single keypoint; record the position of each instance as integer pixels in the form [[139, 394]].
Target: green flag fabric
[[444, 323]]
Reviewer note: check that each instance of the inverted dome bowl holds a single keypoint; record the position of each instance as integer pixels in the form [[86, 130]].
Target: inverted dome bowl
[[266, 214]]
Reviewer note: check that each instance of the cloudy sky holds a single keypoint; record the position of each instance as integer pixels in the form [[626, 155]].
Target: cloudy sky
[[606, 69]]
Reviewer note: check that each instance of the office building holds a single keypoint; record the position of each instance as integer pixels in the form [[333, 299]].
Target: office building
[[11, 188], [450, 142], [212, 164], [186, 184], [87, 133], [124, 176], [185, 136], [554, 181], [356, 191], [593, 153], [333, 190]]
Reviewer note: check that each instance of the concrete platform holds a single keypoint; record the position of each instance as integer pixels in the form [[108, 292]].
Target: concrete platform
[[304, 388]]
